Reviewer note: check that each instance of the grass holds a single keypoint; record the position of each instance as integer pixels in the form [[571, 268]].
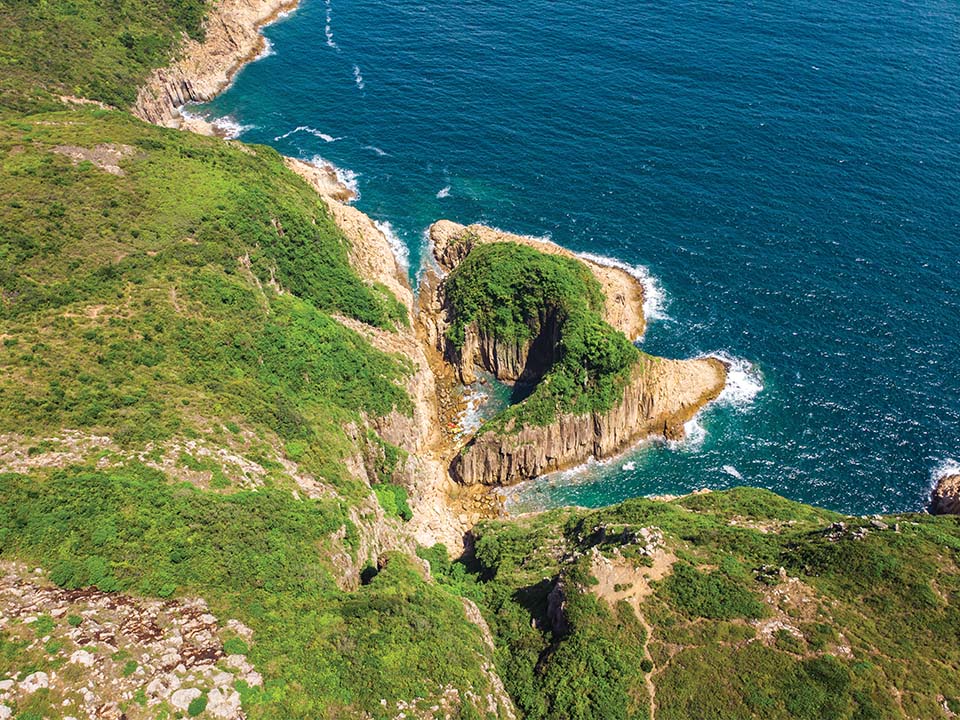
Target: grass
[[145, 307], [264, 558], [515, 293], [882, 613], [98, 50]]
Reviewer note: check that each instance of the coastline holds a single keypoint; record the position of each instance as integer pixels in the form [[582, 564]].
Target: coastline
[[447, 510], [204, 69]]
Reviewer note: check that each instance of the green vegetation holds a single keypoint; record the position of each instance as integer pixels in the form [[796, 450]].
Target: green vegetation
[[871, 608], [262, 557], [196, 287], [98, 50], [514, 293], [176, 293]]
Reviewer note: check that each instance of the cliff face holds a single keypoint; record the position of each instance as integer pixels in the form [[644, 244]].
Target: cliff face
[[204, 69], [946, 496], [659, 398]]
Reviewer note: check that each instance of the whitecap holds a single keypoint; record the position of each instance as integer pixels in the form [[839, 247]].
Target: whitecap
[[654, 297], [307, 129], [732, 471], [445, 192], [347, 178], [375, 149], [328, 28], [357, 77], [400, 250], [628, 466], [267, 49], [744, 381], [694, 434], [945, 467]]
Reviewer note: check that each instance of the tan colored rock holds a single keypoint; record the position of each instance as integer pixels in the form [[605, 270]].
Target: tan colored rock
[[181, 699], [661, 396], [231, 39], [946, 496], [323, 179]]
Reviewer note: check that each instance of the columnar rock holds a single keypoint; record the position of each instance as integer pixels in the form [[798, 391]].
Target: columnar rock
[[660, 396], [231, 38]]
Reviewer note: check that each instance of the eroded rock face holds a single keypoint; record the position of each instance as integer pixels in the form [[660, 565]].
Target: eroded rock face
[[945, 499], [660, 397], [204, 69], [623, 292]]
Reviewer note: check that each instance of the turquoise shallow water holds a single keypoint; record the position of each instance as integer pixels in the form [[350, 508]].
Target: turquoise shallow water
[[787, 172]]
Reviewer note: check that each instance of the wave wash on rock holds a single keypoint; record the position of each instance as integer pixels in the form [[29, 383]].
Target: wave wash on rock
[[530, 312]]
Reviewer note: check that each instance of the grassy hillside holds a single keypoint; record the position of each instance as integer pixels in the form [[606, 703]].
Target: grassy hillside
[[863, 620], [97, 50], [179, 410], [189, 294]]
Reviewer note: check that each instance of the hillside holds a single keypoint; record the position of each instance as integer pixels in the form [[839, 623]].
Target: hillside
[[223, 491]]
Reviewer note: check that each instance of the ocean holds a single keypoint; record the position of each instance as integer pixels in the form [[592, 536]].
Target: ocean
[[784, 175]]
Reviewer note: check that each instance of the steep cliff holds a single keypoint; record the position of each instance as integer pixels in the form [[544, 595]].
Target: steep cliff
[[204, 68], [660, 397], [654, 396]]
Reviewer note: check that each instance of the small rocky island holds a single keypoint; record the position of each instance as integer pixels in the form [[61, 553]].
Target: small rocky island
[[560, 329]]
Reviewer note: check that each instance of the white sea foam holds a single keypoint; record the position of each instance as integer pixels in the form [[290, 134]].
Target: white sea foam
[[328, 28], [654, 298], [347, 178], [375, 149], [445, 192], [732, 471], [307, 129], [628, 466], [400, 250], [744, 381], [226, 126], [267, 49], [357, 77], [694, 434], [945, 467]]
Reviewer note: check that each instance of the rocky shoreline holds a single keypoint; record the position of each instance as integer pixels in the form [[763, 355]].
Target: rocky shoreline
[[204, 69], [660, 397], [445, 508]]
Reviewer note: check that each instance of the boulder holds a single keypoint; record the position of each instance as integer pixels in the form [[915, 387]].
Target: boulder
[[945, 499]]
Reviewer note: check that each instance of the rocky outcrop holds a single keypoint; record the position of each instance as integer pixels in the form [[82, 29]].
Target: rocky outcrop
[[623, 292], [100, 648], [322, 178], [661, 396], [945, 499], [203, 69]]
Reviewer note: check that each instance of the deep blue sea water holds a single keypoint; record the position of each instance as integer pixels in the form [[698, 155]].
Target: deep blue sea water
[[787, 171]]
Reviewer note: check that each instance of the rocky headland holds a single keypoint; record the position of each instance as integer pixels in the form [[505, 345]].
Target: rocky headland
[[203, 69], [659, 397]]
